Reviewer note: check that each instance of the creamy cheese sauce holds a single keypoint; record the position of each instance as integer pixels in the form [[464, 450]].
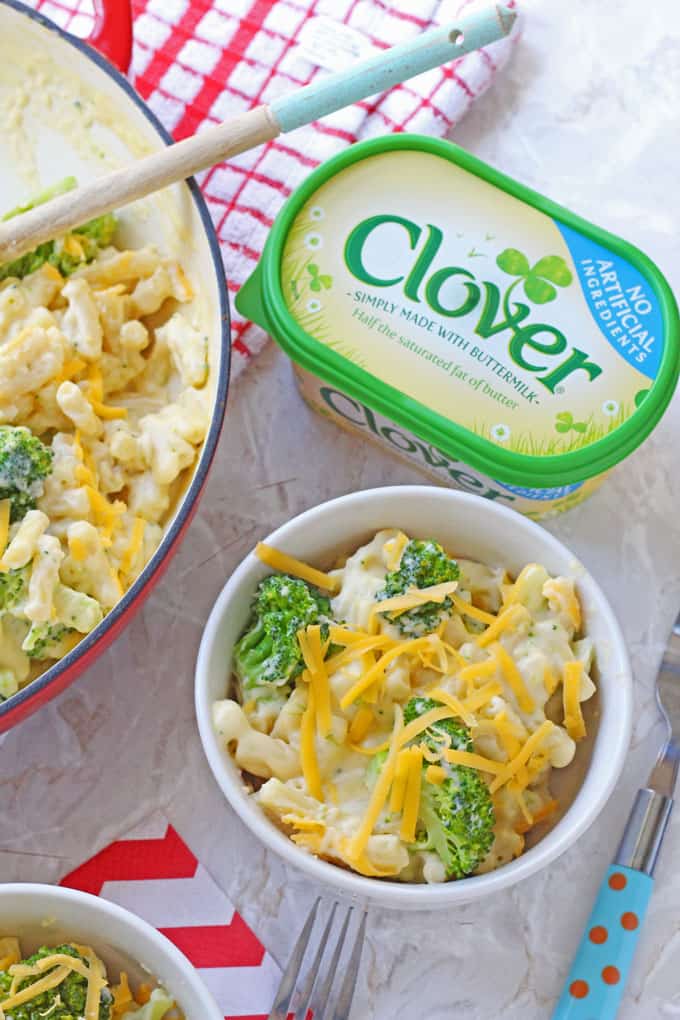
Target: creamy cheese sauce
[[516, 667], [108, 368]]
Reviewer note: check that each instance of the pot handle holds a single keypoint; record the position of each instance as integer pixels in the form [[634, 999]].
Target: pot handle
[[112, 32]]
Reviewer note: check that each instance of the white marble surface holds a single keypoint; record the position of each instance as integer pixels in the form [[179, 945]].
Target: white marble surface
[[588, 114]]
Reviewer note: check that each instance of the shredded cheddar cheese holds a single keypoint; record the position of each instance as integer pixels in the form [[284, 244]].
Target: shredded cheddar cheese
[[357, 651], [477, 671], [517, 790], [308, 760], [107, 412], [70, 369], [514, 678], [571, 690], [409, 815], [394, 548], [95, 382], [435, 774], [473, 761], [418, 726], [361, 724], [285, 564], [415, 597], [78, 549], [313, 656], [456, 706], [513, 592], [541, 815], [106, 514], [378, 670], [122, 996], [380, 790], [530, 746], [370, 751], [304, 824], [361, 863], [35, 989], [482, 696], [134, 546], [550, 680], [467, 609], [342, 636], [5, 509], [510, 742], [73, 246], [10, 952], [508, 618], [398, 791]]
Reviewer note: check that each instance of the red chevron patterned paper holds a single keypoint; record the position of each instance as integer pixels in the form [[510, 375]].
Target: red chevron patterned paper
[[200, 61], [153, 873]]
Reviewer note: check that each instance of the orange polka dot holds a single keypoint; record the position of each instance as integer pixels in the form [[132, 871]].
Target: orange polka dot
[[598, 935], [611, 975], [617, 881], [629, 921], [579, 989]]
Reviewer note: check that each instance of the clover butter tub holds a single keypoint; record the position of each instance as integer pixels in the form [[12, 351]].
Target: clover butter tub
[[489, 336]]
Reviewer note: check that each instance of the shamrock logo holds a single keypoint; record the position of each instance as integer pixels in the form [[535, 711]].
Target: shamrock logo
[[541, 279], [565, 423], [318, 280]]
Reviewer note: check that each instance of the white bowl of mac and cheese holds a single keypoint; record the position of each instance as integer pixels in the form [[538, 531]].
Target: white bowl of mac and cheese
[[127, 960], [431, 743], [114, 358]]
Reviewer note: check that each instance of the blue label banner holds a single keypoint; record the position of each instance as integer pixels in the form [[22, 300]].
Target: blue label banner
[[621, 301]]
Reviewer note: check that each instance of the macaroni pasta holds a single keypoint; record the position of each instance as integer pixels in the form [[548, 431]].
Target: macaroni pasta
[[108, 368], [416, 738]]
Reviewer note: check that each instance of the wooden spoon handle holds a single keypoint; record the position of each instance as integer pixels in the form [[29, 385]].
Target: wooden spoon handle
[[102, 195], [323, 96]]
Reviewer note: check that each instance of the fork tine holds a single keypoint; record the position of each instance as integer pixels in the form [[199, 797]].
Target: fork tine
[[290, 975], [308, 988], [349, 982], [322, 996]]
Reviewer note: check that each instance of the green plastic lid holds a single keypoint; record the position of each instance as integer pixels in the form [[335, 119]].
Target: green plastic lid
[[486, 319]]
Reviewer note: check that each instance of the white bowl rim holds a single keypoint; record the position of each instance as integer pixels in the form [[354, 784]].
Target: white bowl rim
[[397, 895], [55, 895]]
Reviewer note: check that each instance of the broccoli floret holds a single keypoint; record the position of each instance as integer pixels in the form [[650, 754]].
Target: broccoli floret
[[60, 188], [82, 245], [28, 263], [100, 230], [76, 610], [422, 565], [65, 1002], [268, 652], [24, 464], [457, 817], [13, 587], [46, 641]]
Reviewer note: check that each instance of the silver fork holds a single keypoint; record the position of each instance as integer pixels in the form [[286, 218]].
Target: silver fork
[[314, 989]]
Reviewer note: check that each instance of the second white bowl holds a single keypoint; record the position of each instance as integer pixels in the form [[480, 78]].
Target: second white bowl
[[48, 915], [466, 525]]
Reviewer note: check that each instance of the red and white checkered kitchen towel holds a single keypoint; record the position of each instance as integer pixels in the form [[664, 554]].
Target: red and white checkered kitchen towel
[[200, 61], [153, 873]]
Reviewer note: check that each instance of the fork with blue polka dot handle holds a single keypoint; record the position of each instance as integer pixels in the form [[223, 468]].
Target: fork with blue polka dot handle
[[597, 978]]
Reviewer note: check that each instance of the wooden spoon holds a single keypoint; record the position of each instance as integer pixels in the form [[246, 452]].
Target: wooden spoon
[[261, 124]]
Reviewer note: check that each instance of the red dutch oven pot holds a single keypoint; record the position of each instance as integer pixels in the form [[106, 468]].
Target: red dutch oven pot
[[99, 66]]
